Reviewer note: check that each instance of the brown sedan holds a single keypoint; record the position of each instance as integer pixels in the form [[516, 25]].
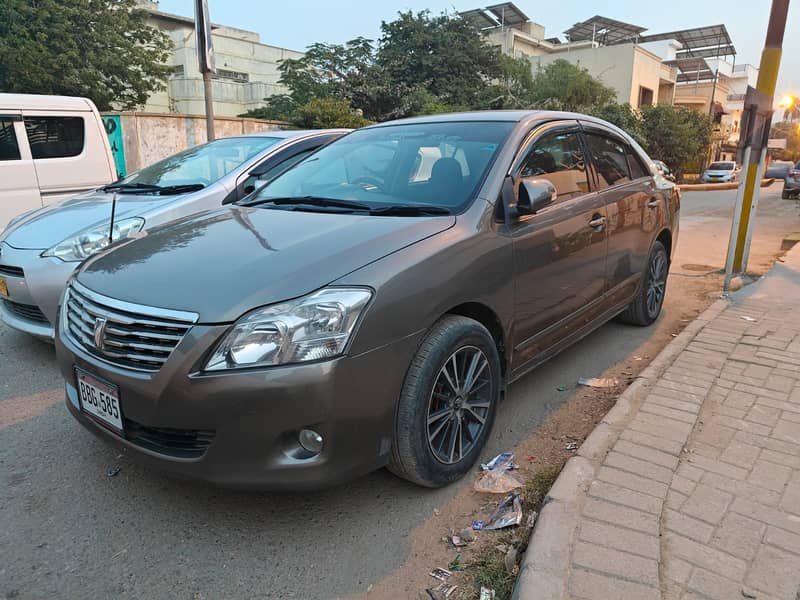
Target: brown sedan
[[367, 307]]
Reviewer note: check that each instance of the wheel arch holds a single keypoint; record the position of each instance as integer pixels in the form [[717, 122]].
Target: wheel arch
[[489, 319], [665, 237]]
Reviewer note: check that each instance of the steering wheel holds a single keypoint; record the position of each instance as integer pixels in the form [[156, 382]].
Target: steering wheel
[[368, 180]]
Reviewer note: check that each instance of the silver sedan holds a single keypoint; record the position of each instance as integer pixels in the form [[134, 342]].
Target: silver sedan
[[41, 249]]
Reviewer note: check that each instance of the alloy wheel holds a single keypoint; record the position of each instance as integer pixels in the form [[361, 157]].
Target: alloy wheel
[[656, 283], [459, 404]]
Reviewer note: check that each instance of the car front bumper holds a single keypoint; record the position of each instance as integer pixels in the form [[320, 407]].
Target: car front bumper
[[34, 293], [252, 417]]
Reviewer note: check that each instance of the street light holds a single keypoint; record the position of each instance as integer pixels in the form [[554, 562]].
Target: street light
[[789, 104]]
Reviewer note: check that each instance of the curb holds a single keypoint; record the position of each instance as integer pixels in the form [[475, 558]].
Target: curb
[[545, 566], [703, 187]]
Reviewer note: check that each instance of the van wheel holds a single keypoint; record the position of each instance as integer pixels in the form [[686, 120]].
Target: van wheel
[[448, 403], [647, 304]]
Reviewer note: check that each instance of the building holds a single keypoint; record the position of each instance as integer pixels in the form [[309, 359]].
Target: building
[[247, 70]]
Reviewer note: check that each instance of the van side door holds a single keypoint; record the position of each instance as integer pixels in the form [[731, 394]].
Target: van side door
[[628, 191], [19, 190], [559, 249]]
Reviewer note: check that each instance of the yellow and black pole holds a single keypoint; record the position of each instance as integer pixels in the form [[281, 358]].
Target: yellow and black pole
[[753, 160]]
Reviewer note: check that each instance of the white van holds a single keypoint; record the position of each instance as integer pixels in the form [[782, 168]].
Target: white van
[[51, 147]]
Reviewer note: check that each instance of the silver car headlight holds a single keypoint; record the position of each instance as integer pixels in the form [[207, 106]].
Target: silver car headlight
[[315, 327], [90, 241]]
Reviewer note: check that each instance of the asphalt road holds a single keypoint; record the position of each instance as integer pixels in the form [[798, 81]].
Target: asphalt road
[[69, 531]]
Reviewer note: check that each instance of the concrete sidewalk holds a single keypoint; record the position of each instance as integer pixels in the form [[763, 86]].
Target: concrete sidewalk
[[690, 487]]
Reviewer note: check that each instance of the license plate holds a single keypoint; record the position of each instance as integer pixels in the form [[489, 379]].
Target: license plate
[[100, 400], [3, 287]]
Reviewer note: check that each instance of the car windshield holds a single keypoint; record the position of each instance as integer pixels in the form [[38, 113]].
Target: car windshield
[[410, 165], [199, 165], [721, 166]]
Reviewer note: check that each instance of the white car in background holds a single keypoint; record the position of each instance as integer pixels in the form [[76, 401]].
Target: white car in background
[[724, 171]]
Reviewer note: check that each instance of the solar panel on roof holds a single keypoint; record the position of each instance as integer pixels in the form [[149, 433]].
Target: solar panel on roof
[[480, 18], [508, 13]]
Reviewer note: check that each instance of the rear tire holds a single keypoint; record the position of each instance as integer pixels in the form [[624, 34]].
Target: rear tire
[[448, 403], [646, 306]]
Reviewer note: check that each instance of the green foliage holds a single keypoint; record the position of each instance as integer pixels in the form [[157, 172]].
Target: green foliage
[[624, 117], [564, 86], [101, 49], [789, 131], [323, 113], [676, 135]]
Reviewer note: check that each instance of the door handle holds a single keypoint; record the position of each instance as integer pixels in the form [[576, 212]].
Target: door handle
[[653, 203], [597, 222]]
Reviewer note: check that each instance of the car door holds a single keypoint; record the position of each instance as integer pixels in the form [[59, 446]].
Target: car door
[[559, 250], [19, 189], [632, 204], [278, 163]]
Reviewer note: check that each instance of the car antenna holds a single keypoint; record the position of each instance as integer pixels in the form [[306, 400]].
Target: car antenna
[[113, 214]]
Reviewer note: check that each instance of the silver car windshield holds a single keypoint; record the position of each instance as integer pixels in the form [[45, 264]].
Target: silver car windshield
[[420, 164], [202, 165]]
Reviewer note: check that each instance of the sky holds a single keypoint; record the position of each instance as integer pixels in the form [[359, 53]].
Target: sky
[[336, 21]]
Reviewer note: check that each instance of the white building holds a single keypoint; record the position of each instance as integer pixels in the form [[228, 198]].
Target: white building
[[247, 70]]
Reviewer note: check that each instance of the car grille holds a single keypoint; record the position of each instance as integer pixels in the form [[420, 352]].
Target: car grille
[[29, 312], [180, 443], [131, 336], [11, 271]]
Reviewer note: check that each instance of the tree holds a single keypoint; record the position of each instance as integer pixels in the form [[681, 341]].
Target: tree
[[562, 85], [790, 132], [101, 49], [676, 135], [624, 117], [323, 113]]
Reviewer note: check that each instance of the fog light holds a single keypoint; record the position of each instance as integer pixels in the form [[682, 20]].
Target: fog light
[[310, 440]]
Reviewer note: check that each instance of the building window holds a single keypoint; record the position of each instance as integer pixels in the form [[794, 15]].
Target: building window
[[9, 149], [645, 96], [178, 71], [55, 137], [236, 76]]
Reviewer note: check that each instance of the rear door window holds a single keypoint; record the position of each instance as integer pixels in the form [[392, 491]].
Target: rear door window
[[55, 137], [610, 160], [9, 148]]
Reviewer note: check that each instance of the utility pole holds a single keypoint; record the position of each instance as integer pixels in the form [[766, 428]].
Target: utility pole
[[205, 57], [753, 142]]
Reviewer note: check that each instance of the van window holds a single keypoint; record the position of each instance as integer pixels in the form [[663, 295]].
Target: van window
[[9, 148], [55, 137]]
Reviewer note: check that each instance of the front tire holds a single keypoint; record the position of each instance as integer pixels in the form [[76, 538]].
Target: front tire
[[646, 306], [448, 403]]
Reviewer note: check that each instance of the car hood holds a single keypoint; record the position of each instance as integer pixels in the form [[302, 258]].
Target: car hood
[[50, 225], [224, 263]]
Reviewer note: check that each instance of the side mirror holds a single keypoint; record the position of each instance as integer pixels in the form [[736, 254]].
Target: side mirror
[[534, 195]]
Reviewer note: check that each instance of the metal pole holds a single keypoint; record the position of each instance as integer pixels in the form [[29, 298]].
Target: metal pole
[[767, 80], [209, 106]]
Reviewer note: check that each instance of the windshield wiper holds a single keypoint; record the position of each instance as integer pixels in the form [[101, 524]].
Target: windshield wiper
[[311, 201], [409, 210], [146, 188]]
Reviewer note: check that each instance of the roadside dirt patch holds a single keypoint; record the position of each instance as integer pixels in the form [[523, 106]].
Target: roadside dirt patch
[[22, 408]]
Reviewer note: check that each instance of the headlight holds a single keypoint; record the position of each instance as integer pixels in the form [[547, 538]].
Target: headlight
[[81, 246], [314, 327]]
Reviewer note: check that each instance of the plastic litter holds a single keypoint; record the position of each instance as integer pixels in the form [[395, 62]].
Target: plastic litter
[[562, 388], [746, 318], [457, 565], [598, 382], [477, 525], [487, 594], [441, 591], [504, 460], [456, 539], [440, 574], [497, 482], [571, 446], [507, 513], [113, 472]]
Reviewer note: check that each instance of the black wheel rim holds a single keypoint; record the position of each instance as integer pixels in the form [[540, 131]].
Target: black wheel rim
[[656, 283], [459, 404]]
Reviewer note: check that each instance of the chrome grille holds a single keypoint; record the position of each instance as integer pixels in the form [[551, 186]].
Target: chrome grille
[[127, 335]]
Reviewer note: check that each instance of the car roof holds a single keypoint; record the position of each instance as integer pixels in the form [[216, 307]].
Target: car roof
[[44, 102], [293, 133]]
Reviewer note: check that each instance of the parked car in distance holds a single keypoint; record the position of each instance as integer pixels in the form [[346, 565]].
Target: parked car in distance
[[724, 171], [40, 250], [51, 147], [664, 170], [778, 169], [352, 314], [791, 183]]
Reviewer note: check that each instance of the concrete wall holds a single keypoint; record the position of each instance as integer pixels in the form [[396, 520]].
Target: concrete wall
[[150, 137]]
